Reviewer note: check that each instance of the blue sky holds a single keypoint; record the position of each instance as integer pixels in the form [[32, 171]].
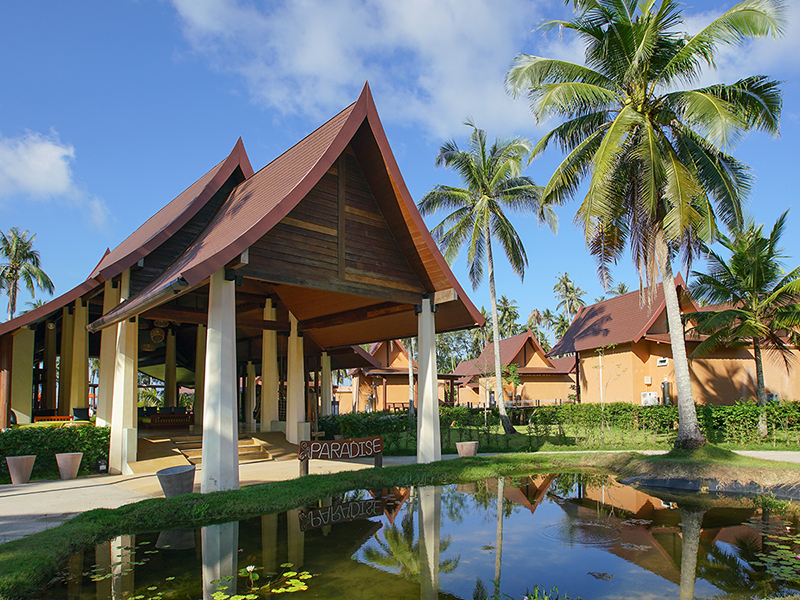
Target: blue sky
[[108, 110]]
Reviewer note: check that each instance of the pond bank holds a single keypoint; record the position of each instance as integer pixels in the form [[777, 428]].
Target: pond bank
[[28, 564]]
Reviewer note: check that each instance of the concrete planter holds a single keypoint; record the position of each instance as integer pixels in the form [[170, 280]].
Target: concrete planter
[[68, 464], [467, 448], [176, 480], [20, 467]]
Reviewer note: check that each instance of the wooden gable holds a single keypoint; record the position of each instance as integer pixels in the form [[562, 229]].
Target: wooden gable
[[336, 238], [529, 356]]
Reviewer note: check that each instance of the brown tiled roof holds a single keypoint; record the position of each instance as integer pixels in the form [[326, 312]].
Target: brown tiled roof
[[262, 201], [509, 348], [618, 320], [173, 216], [38, 314]]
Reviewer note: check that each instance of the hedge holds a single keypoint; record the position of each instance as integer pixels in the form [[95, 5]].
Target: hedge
[[46, 442]]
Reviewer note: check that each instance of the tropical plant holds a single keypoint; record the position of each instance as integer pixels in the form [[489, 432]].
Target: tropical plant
[[508, 313], [620, 289], [493, 185], [21, 263], [654, 153], [570, 296], [757, 298], [537, 325]]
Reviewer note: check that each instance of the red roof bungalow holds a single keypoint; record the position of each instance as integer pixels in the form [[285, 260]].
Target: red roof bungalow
[[542, 379], [624, 355]]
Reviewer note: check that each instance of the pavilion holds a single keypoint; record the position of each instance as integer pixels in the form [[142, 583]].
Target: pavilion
[[274, 273]]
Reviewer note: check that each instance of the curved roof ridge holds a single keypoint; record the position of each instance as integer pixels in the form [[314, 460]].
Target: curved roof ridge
[[167, 221]]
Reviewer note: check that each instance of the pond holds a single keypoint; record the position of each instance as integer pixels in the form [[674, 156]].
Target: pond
[[590, 537]]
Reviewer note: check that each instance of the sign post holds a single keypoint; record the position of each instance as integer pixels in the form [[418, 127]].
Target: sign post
[[339, 450]]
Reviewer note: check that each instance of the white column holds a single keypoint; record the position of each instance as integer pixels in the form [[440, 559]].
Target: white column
[[171, 371], [269, 543], [123, 413], [295, 540], [430, 501], [428, 443], [250, 396], [122, 572], [22, 375], [108, 348], [199, 375], [295, 386], [49, 400], [220, 470], [355, 384], [327, 384], [269, 370], [79, 382], [220, 548]]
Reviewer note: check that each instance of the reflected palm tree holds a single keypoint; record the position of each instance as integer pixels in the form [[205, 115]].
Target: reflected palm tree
[[691, 526], [734, 571], [400, 550]]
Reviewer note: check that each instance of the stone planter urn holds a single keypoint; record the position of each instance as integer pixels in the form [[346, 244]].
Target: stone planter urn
[[467, 448], [20, 467], [176, 480], [68, 464]]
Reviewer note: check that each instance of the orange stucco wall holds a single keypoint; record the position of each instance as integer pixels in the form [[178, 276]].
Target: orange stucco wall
[[630, 369]]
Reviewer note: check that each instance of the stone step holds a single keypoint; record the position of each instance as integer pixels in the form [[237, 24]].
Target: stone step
[[249, 457], [196, 444]]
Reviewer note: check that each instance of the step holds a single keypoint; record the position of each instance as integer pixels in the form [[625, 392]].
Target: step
[[250, 457], [197, 444]]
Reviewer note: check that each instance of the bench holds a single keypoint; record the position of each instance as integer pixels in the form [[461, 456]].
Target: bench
[[166, 421], [50, 419]]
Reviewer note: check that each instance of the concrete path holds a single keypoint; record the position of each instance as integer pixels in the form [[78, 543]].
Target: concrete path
[[39, 505]]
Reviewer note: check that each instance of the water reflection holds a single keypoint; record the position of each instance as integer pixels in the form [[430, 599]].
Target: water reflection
[[589, 536]]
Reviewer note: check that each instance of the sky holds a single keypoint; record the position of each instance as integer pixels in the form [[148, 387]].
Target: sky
[[108, 110]]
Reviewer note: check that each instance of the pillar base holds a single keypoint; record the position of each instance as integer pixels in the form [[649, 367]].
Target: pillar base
[[278, 426], [303, 432]]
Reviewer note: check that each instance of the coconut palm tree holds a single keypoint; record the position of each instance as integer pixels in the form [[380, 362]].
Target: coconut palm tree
[[493, 185], [570, 296], [620, 289], [654, 152], [508, 312], [20, 262], [759, 298]]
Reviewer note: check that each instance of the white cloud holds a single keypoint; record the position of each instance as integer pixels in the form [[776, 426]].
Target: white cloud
[[38, 167], [430, 63]]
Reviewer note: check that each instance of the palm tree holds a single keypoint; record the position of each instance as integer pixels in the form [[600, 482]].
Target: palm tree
[[759, 297], [20, 263], [620, 289], [654, 153], [570, 295], [537, 325], [508, 312], [493, 184]]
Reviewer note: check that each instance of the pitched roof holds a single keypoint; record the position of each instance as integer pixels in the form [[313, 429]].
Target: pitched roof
[[173, 216], [618, 320], [258, 204], [509, 348]]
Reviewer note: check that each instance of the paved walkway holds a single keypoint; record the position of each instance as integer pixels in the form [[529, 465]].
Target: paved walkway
[[39, 505]]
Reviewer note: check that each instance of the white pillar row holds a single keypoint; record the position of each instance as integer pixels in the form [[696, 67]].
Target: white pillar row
[[429, 448], [327, 384], [171, 371], [108, 348], [199, 375], [250, 397], [295, 387], [269, 370], [220, 469], [79, 381], [65, 364], [123, 412], [50, 356], [22, 375]]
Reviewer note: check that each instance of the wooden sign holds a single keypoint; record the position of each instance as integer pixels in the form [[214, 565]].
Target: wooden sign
[[341, 513], [340, 450]]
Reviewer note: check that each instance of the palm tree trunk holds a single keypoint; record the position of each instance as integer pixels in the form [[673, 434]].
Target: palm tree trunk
[[499, 398], [691, 528], [498, 549], [12, 297], [761, 390], [689, 434]]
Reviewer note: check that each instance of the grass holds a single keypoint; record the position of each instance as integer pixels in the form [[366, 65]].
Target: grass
[[28, 564]]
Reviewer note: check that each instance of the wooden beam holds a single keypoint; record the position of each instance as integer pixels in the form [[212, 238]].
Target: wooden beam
[[240, 261], [357, 314], [444, 296], [6, 348], [262, 324], [179, 315], [342, 177]]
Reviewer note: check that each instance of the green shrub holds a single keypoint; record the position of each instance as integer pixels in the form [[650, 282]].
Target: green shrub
[[46, 442]]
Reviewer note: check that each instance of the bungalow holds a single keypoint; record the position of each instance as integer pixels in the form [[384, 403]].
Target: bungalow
[[542, 379], [623, 354]]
